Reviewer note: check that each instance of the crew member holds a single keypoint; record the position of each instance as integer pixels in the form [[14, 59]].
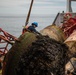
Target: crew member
[[31, 28]]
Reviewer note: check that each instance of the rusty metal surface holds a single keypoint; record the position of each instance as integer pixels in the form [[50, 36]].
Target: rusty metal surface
[[5, 40]]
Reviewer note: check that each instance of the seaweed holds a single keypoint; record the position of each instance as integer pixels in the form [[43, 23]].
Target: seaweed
[[46, 56]]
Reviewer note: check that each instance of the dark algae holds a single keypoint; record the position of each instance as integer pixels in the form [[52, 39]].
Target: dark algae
[[13, 55], [46, 56]]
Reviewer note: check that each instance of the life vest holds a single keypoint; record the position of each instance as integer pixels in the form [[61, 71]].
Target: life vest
[[25, 29]]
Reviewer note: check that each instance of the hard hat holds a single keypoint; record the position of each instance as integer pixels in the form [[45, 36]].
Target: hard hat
[[35, 23]]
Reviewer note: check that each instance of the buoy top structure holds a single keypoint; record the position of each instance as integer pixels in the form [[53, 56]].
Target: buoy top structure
[[69, 8]]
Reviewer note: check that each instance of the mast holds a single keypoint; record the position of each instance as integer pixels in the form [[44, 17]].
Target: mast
[[69, 8], [28, 16]]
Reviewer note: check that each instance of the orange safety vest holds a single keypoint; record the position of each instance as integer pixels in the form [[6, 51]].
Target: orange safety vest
[[25, 29]]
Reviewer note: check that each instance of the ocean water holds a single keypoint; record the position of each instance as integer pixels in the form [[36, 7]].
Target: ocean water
[[14, 24]]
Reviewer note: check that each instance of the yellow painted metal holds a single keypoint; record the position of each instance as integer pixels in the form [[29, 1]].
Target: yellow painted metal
[[71, 38], [71, 42], [54, 32]]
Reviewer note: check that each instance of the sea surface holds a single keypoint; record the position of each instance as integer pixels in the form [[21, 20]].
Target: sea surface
[[14, 24]]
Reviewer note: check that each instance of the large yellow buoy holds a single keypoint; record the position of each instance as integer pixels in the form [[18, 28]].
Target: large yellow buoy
[[54, 32]]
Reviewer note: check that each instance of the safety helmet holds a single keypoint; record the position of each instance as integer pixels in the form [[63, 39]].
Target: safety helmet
[[35, 23]]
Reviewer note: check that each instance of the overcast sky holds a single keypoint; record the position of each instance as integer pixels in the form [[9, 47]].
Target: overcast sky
[[20, 7]]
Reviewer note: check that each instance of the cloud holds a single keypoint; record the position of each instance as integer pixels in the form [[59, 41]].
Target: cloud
[[10, 7], [10, 3]]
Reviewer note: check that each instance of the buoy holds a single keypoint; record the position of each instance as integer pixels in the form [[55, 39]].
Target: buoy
[[54, 32]]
